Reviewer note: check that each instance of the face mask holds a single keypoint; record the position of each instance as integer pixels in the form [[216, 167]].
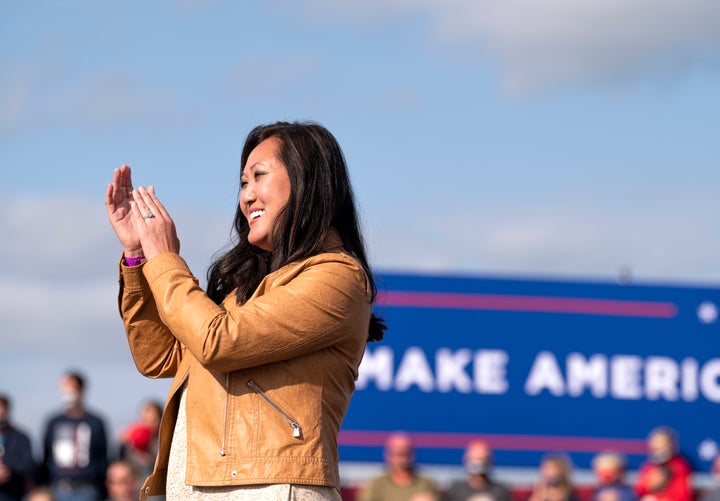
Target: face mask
[[70, 399], [605, 476], [660, 457], [553, 480], [477, 467]]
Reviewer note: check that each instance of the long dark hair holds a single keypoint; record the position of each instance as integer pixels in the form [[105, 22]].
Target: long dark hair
[[321, 198]]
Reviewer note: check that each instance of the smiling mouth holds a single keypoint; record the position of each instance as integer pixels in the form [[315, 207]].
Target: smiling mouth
[[256, 214]]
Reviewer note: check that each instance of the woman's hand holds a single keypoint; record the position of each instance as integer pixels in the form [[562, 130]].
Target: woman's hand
[[118, 200], [153, 224]]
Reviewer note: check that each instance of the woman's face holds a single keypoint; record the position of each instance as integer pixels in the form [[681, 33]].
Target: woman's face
[[264, 191]]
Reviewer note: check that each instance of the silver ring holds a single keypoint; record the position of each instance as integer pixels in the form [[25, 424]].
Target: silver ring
[[149, 214]]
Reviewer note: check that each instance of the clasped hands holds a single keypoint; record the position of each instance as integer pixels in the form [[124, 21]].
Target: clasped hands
[[139, 220]]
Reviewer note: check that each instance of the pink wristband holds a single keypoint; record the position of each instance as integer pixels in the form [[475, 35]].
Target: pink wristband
[[133, 261]]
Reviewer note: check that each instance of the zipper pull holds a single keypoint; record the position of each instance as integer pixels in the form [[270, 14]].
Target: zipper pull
[[297, 431]]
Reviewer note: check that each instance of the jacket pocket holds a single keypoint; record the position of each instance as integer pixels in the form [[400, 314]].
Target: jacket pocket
[[296, 429]]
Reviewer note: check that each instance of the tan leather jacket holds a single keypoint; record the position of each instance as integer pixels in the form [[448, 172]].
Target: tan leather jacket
[[268, 382]]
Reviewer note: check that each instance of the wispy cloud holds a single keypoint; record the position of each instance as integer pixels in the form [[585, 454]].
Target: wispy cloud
[[540, 45], [267, 78], [50, 93], [654, 244]]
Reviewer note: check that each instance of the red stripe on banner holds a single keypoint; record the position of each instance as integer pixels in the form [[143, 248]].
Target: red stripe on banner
[[546, 304], [500, 442]]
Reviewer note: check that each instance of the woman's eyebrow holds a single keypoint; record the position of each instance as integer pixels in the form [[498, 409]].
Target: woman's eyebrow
[[247, 169], [259, 163]]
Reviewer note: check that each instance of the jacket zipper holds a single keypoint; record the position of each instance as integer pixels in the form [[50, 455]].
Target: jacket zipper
[[297, 431], [227, 397]]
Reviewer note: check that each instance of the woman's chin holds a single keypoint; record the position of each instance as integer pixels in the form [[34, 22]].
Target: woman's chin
[[259, 243]]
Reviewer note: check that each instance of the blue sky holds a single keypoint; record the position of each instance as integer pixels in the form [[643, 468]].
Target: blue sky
[[505, 137]]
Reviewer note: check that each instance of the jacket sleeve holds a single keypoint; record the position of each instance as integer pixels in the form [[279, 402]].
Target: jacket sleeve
[[326, 299], [154, 349]]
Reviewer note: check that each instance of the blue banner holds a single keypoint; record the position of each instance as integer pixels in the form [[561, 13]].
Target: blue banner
[[536, 366]]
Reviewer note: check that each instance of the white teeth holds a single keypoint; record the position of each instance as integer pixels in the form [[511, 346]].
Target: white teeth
[[256, 214]]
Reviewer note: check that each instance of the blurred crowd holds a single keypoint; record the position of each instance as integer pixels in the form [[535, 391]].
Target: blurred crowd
[[664, 476], [76, 462], [76, 465]]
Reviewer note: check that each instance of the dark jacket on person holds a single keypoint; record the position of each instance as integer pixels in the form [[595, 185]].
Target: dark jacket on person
[[17, 457], [75, 450]]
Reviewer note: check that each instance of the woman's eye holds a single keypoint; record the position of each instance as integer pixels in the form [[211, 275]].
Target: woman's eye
[[243, 184]]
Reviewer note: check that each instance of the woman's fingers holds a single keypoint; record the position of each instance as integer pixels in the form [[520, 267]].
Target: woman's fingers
[[135, 210], [120, 189], [155, 227], [125, 174], [156, 203], [151, 203], [146, 205], [109, 192]]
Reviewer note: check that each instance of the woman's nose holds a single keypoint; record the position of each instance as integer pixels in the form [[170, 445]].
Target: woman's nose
[[247, 194]]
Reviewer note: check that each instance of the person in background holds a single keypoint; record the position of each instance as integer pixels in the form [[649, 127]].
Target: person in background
[[478, 462], [665, 476], [75, 446], [553, 483], [609, 469], [713, 493], [17, 466], [122, 482], [400, 482], [139, 441]]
